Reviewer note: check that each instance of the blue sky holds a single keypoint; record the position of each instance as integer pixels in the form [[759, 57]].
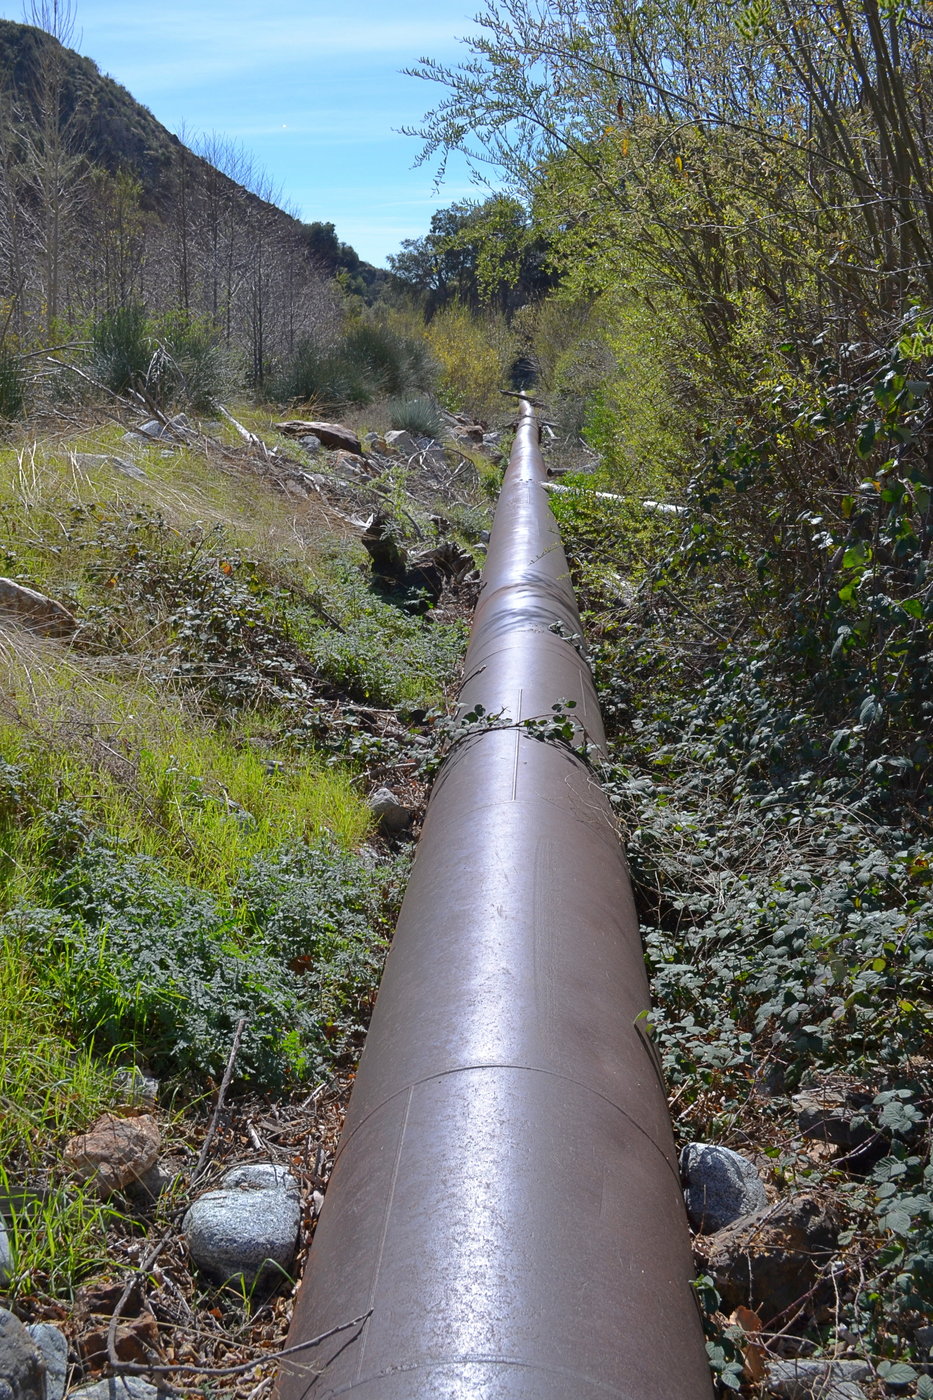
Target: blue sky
[[312, 88]]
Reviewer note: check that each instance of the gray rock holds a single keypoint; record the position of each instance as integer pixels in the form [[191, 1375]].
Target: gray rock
[[154, 429], [261, 1176], [6, 1256], [829, 1113], [117, 1388], [22, 1370], [150, 1185], [136, 1087], [818, 1380], [247, 1226], [720, 1186], [54, 1348], [89, 460], [400, 441], [151, 429], [121, 464], [392, 815]]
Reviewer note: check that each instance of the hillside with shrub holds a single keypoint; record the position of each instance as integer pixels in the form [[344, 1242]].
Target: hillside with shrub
[[101, 208]]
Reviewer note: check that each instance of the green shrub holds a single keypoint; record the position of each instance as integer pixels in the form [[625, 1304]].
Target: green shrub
[[121, 349], [369, 362], [393, 364], [381, 654], [12, 387], [191, 367], [419, 416], [325, 378], [177, 359], [474, 354], [133, 957]]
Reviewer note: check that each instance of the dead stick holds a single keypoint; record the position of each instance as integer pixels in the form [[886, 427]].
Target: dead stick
[[137, 1368], [218, 1107]]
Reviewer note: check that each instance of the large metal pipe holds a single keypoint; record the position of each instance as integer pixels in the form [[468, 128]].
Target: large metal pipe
[[505, 1207]]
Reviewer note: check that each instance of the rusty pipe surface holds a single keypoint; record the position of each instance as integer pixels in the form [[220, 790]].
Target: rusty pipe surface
[[505, 1208]]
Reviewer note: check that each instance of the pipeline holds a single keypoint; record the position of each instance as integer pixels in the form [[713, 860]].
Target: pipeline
[[505, 1218]]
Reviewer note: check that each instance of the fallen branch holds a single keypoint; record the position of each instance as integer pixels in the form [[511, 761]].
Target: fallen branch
[[138, 1368], [218, 1106]]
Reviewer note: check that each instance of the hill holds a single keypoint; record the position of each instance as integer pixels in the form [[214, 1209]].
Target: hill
[[101, 206]]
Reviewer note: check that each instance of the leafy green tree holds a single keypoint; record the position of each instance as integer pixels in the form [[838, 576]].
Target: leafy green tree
[[487, 255], [725, 146]]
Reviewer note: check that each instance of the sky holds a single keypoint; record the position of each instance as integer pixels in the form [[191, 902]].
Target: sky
[[313, 89]]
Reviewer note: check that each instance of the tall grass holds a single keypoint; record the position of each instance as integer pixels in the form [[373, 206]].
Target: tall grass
[[157, 778]]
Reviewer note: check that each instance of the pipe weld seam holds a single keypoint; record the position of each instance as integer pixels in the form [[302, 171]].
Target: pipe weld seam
[[520, 1069], [479, 1359]]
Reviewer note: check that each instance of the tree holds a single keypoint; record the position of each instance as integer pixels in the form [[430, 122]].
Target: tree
[[719, 146], [483, 255]]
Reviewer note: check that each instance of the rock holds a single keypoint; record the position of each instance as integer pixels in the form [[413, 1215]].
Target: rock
[[311, 443], [117, 1388], [392, 815], [833, 1114], [35, 610], [135, 1339], [720, 1186], [350, 464], [88, 460], [136, 1087], [7, 1261], [151, 429], [471, 432], [22, 1369], [818, 1380], [380, 541], [247, 1226], [151, 1184], [132, 469], [115, 1152], [329, 434], [155, 430], [771, 1260], [400, 441], [451, 559], [53, 1346]]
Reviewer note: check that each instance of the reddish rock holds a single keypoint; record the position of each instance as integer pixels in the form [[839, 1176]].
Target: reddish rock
[[473, 432], [35, 610], [115, 1152], [136, 1339], [330, 434], [772, 1261]]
